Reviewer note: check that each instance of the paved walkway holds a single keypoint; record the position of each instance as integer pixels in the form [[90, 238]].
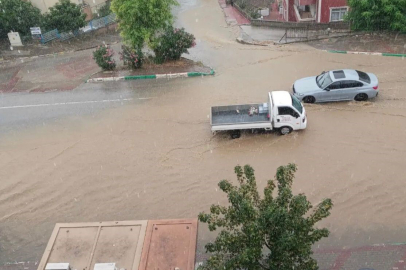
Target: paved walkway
[[233, 16]]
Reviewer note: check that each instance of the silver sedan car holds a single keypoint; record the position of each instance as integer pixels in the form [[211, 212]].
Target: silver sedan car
[[336, 85]]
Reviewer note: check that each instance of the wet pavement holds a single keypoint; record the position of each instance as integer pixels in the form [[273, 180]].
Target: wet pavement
[[157, 159]]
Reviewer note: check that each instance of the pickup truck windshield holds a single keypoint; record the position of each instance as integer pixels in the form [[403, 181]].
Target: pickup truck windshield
[[296, 103], [323, 80]]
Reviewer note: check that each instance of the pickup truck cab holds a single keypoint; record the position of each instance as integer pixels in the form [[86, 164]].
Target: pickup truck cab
[[283, 111]]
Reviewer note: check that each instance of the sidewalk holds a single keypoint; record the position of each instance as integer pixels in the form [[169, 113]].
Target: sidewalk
[[233, 16], [383, 43]]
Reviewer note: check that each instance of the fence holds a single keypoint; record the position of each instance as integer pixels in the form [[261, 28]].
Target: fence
[[306, 33], [310, 25], [91, 26]]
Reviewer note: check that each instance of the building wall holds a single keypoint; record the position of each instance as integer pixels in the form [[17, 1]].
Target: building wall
[[292, 16], [325, 8]]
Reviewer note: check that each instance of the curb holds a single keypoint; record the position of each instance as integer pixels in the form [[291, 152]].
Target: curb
[[242, 41], [367, 53], [155, 76]]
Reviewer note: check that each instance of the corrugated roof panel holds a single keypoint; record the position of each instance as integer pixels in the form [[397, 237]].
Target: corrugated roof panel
[[170, 244], [84, 244]]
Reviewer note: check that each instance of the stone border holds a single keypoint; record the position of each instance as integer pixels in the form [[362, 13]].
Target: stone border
[[367, 53], [155, 76]]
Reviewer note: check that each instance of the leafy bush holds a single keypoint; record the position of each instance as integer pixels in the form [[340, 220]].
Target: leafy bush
[[64, 16], [104, 57], [141, 20], [103, 11], [131, 58], [18, 16], [276, 231], [172, 44], [378, 15]]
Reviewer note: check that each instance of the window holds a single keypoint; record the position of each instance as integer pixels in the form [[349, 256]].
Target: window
[[334, 86], [296, 103], [339, 74], [363, 77], [323, 80], [351, 84], [287, 111], [337, 14]]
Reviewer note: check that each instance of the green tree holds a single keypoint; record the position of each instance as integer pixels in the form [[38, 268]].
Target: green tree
[[64, 16], [378, 15], [104, 10], [274, 233], [141, 20], [18, 16]]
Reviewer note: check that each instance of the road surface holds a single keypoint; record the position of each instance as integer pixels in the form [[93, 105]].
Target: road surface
[[156, 158]]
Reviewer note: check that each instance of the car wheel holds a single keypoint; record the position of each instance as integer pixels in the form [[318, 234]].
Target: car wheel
[[361, 97], [285, 130], [309, 99]]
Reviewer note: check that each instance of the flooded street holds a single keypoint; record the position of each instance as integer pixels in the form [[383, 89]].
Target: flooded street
[[158, 159]]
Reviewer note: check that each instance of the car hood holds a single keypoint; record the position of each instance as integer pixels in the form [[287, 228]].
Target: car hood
[[306, 85]]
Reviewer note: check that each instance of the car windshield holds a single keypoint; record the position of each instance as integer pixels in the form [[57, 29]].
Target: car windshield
[[323, 80], [297, 104]]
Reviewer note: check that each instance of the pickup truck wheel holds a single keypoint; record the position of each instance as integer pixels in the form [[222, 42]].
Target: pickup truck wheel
[[361, 97], [285, 130], [309, 99], [235, 134]]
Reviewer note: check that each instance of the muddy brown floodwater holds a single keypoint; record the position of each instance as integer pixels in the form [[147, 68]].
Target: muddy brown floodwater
[[159, 160]]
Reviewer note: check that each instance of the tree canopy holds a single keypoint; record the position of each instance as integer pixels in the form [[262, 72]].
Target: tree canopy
[[378, 15], [141, 20], [273, 232], [64, 16], [18, 16]]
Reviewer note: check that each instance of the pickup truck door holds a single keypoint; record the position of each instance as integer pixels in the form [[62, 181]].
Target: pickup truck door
[[287, 116]]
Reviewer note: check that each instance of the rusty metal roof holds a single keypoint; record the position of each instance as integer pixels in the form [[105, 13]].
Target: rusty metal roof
[[170, 244]]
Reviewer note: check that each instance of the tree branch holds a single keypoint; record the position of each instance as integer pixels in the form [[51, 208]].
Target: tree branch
[[262, 265]]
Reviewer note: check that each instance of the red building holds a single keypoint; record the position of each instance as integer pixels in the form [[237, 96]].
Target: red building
[[321, 11]]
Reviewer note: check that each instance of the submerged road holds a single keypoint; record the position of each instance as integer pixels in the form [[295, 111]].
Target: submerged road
[[144, 150]]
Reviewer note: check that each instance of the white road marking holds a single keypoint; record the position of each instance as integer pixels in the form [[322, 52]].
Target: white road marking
[[69, 103]]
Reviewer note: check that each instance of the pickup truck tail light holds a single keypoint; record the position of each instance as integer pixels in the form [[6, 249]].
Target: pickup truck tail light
[[375, 87]]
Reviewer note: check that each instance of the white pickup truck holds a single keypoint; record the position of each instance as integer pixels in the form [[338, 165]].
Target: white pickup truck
[[283, 111]]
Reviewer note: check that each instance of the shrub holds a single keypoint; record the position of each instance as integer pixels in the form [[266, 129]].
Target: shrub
[[172, 44], [64, 16], [104, 57], [378, 15], [104, 10], [131, 58], [18, 16]]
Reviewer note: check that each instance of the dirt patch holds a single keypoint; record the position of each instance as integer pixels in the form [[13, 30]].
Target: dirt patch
[[149, 68], [378, 42], [107, 35]]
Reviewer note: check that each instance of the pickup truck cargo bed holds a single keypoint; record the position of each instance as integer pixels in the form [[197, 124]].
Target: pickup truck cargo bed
[[236, 114]]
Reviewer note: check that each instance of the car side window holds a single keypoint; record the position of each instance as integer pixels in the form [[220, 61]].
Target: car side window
[[287, 111], [351, 84], [335, 86]]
